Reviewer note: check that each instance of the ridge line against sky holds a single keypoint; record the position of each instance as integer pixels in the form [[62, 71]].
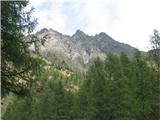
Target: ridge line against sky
[[127, 21]]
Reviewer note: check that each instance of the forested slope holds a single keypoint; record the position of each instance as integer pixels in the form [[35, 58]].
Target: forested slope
[[117, 88]]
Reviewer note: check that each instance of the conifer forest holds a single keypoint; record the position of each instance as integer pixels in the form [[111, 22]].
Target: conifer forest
[[119, 87]]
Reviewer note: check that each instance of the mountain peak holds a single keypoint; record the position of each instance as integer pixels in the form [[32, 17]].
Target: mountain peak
[[79, 50], [43, 30], [79, 32], [103, 34]]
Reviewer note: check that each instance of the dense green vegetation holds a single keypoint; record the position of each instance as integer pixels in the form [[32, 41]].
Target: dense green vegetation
[[17, 64], [118, 88]]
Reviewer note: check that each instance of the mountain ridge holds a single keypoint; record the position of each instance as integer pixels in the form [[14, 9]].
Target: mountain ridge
[[79, 50]]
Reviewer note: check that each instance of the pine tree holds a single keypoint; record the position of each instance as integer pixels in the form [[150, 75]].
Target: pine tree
[[142, 87], [54, 103], [82, 101], [18, 67], [96, 108], [116, 85]]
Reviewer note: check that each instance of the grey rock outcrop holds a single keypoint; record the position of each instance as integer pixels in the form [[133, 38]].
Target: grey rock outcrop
[[79, 50]]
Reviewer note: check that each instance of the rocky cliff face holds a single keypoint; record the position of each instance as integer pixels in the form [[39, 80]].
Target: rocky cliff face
[[79, 50]]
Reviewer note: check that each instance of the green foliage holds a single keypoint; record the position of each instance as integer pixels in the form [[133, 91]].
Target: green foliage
[[18, 66], [18, 109], [154, 53], [118, 88]]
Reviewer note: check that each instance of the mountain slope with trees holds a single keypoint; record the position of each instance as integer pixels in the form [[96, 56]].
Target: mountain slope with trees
[[79, 50], [119, 87]]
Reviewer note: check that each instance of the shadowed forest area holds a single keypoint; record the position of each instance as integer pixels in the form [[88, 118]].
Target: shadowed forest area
[[33, 88]]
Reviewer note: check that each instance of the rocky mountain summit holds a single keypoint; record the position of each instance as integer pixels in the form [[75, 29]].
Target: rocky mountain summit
[[79, 50]]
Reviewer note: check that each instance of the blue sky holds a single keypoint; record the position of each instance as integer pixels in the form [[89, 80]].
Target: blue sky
[[127, 21]]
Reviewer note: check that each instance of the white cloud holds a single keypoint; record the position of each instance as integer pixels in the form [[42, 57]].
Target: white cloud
[[37, 3], [128, 21], [100, 16], [51, 18], [137, 19]]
